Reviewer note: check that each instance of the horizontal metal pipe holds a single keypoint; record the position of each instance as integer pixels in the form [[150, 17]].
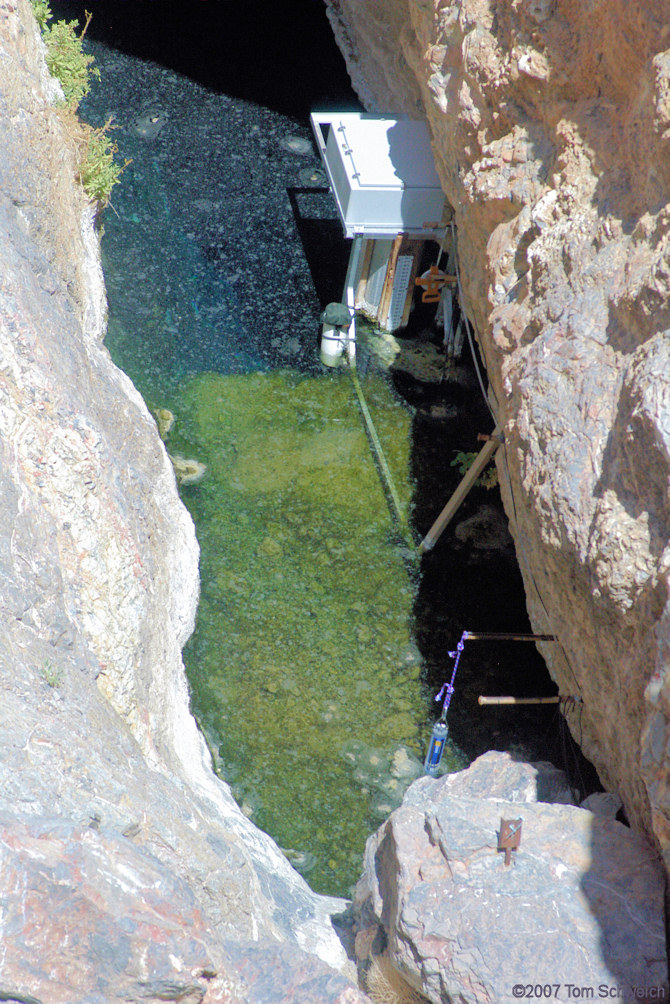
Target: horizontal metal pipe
[[505, 636], [519, 700]]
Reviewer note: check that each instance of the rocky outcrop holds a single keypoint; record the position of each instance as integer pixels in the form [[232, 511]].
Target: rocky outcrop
[[550, 130], [578, 909], [127, 872]]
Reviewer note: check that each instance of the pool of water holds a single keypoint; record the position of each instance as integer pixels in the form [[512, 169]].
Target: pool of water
[[304, 673], [319, 641]]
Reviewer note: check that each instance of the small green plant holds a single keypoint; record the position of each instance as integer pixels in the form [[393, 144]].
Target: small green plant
[[98, 171], [52, 674], [465, 460], [42, 12], [66, 58]]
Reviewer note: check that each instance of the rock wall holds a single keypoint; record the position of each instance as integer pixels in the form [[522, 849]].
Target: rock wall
[[127, 871], [550, 122]]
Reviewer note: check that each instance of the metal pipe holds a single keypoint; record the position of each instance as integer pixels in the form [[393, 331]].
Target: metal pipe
[[519, 700], [388, 483], [349, 297], [505, 636]]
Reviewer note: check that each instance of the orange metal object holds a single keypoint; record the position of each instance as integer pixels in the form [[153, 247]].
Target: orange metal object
[[433, 280]]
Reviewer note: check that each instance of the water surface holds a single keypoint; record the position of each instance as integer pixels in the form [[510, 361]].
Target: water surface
[[318, 642], [304, 673]]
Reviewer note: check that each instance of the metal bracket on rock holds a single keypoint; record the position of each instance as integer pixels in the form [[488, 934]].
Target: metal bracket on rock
[[509, 837]]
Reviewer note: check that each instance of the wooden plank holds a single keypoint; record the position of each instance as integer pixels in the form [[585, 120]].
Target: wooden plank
[[385, 301], [365, 272], [415, 248], [376, 277], [447, 514]]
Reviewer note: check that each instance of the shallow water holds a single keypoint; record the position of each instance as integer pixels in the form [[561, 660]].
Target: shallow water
[[303, 670], [319, 643], [304, 674]]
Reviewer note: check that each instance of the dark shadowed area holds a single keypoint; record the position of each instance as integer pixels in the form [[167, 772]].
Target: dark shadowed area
[[281, 55]]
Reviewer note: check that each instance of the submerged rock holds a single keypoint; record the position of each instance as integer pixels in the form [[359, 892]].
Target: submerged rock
[[188, 470], [165, 421], [421, 360], [297, 144], [487, 530], [150, 123], [418, 358], [580, 904], [313, 176]]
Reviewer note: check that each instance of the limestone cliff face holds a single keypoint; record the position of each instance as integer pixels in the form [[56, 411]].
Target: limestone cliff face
[[551, 124], [127, 871]]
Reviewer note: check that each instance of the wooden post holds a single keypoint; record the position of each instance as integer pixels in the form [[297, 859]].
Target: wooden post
[[482, 459], [368, 246], [387, 291]]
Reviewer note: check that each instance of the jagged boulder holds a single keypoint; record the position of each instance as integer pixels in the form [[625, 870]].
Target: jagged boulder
[[579, 905]]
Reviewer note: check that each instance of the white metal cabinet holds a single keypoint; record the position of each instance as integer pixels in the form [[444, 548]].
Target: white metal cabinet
[[382, 174]]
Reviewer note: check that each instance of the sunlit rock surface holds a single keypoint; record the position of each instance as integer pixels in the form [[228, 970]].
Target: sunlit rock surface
[[127, 871], [550, 125], [580, 903]]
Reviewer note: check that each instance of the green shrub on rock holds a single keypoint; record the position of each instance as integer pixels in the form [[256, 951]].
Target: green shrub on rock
[[65, 56], [73, 68], [42, 12], [465, 460], [98, 170]]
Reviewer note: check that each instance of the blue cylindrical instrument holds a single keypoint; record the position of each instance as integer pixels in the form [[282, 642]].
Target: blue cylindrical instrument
[[438, 738]]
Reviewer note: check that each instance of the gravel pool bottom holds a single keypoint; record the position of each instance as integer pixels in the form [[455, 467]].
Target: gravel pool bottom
[[303, 673]]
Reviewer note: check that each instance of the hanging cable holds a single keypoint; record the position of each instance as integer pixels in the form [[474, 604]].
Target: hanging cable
[[440, 728], [468, 329], [503, 452], [528, 569]]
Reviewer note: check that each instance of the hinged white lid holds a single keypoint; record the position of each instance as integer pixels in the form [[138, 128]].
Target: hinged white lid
[[381, 172], [386, 153]]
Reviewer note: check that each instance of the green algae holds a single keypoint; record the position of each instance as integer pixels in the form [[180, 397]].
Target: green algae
[[302, 669]]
